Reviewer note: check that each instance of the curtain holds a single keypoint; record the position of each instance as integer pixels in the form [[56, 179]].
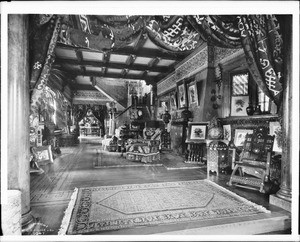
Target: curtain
[[173, 33], [100, 112], [43, 39], [221, 31], [262, 43]]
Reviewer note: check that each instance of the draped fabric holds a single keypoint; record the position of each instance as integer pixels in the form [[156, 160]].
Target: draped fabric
[[221, 31], [43, 38], [80, 112], [100, 112], [262, 43], [173, 33]]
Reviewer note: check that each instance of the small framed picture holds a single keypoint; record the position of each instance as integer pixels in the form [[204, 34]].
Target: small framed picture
[[173, 101], [182, 96], [227, 132], [197, 132], [44, 153], [239, 105], [240, 135], [275, 129], [192, 94]]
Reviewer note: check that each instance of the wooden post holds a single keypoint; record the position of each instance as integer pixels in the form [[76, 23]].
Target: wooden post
[[18, 113]]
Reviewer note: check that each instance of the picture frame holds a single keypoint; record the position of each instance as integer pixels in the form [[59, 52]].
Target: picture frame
[[182, 95], [192, 94], [227, 132], [239, 105], [197, 132], [44, 153], [275, 129], [173, 101], [240, 135]]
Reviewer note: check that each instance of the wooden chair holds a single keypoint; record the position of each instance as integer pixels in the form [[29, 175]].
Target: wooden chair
[[252, 171]]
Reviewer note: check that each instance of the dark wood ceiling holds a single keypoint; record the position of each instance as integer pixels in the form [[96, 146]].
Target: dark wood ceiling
[[141, 60]]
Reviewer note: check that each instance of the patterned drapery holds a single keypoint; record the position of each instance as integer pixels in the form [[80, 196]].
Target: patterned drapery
[[262, 43], [221, 31], [173, 33], [45, 30]]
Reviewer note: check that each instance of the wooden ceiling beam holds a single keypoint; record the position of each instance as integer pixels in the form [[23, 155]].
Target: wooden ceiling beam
[[136, 67], [113, 75], [154, 62], [146, 52]]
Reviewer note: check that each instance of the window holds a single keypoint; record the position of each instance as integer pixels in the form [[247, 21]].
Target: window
[[239, 94], [245, 92]]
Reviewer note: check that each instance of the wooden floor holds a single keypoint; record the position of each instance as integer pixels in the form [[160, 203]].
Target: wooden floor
[[51, 191]]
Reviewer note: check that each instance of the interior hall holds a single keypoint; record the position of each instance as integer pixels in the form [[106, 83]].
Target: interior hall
[[149, 125]]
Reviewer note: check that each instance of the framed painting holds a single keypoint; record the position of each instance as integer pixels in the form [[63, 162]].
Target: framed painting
[[182, 96], [275, 129], [197, 132], [44, 153], [239, 105], [173, 101], [240, 135], [227, 132], [192, 94]]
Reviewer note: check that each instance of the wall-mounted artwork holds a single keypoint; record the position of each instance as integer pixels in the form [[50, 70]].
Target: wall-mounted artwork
[[173, 101], [275, 129], [227, 132], [240, 136], [239, 105], [197, 132], [192, 94], [182, 97]]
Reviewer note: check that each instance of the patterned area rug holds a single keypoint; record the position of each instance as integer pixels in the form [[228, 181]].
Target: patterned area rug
[[106, 208]]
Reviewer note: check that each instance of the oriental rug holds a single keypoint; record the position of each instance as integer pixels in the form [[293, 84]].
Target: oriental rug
[[98, 209]]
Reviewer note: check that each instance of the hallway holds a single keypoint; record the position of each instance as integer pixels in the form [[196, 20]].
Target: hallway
[[52, 190]]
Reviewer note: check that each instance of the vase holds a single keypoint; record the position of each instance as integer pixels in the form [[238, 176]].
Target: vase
[[257, 110], [250, 110]]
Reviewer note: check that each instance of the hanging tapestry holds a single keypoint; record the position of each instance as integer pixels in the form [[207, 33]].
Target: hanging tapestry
[[221, 31], [43, 39], [262, 43], [173, 33]]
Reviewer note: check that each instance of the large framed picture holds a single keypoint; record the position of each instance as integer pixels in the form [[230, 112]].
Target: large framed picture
[[197, 132], [240, 135], [239, 105], [182, 96], [192, 94]]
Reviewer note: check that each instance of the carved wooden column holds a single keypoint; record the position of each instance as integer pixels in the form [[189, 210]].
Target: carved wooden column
[[18, 113], [284, 196], [208, 110]]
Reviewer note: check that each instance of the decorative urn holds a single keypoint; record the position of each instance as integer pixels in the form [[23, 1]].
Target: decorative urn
[[215, 129]]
